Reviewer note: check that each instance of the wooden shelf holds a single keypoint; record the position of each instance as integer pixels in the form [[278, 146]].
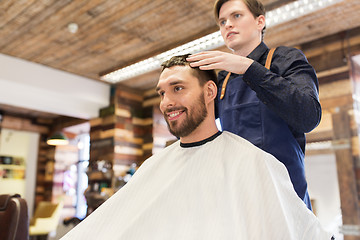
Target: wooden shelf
[[12, 172], [12, 166]]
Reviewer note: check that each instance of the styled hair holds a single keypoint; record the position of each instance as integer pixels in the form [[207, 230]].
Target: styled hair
[[254, 6], [202, 75]]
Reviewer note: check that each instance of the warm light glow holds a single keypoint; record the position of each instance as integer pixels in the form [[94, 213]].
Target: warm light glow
[[214, 40], [56, 142], [58, 139]]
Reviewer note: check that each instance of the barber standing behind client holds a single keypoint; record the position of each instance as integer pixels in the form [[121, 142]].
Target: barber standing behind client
[[272, 107]]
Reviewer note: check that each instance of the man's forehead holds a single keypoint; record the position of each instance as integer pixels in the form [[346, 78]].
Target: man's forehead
[[175, 74]]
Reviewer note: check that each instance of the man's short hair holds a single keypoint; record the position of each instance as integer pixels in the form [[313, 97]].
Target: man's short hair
[[255, 6], [202, 75]]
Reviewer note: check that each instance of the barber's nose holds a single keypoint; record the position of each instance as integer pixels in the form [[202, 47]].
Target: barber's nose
[[228, 24]]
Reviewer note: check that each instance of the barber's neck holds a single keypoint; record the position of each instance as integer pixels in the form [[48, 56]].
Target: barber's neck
[[245, 50]]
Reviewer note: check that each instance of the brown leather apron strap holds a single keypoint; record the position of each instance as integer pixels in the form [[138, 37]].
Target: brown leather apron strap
[[269, 58], [224, 85], [267, 65]]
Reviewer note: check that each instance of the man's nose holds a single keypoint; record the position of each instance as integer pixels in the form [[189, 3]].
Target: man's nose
[[167, 101]]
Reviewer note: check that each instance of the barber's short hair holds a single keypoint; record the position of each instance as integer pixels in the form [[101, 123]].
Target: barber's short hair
[[255, 6], [202, 75]]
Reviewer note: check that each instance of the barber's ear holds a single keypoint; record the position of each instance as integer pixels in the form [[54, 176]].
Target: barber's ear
[[211, 91], [261, 22]]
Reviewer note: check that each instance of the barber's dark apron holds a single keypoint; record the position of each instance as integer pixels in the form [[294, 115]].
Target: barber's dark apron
[[242, 113]]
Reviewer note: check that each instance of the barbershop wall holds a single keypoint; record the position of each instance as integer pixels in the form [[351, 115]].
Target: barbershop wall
[[23, 146], [323, 188]]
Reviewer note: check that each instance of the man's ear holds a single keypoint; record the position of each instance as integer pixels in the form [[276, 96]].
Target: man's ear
[[260, 22], [210, 91]]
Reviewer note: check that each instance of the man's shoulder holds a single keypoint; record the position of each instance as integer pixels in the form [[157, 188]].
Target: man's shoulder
[[234, 137], [232, 140], [241, 148]]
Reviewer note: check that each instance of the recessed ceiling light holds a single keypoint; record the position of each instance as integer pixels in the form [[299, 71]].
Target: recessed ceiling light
[[73, 27]]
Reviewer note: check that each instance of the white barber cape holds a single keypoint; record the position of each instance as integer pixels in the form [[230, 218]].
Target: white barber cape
[[222, 188]]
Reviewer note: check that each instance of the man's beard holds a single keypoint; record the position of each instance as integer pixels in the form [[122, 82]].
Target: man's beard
[[194, 117]]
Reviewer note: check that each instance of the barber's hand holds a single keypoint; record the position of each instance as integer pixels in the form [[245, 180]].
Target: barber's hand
[[210, 60]]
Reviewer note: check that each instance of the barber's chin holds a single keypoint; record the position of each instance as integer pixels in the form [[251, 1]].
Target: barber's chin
[[230, 47], [233, 45]]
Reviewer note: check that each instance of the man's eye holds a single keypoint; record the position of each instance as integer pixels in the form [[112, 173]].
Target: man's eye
[[161, 94], [178, 89], [237, 15], [222, 22]]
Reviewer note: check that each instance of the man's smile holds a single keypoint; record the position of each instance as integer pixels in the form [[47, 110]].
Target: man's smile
[[174, 115]]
